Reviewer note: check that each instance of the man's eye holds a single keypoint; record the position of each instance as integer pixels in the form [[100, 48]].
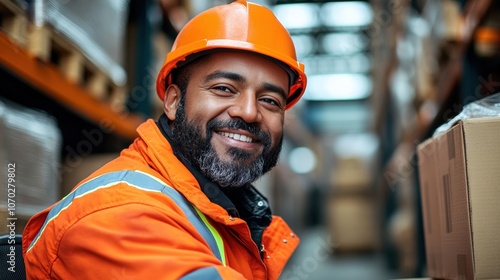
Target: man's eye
[[271, 101], [223, 88]]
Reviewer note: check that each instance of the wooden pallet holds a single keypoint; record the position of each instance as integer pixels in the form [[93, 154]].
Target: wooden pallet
[[13, 21], [50, 46]]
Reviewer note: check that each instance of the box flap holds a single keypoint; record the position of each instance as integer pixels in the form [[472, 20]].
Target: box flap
[[482, 142], [431, 208]]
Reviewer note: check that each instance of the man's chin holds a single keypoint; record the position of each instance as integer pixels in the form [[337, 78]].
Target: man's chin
[[237, 164], [240, 155]]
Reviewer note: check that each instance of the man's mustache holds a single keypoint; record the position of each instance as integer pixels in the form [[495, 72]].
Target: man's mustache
[[239, 124]]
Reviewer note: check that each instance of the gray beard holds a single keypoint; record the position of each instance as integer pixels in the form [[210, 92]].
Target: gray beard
[[229, 174], [198, 151]]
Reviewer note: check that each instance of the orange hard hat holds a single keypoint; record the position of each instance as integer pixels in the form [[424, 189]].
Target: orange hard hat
[[240, 25]]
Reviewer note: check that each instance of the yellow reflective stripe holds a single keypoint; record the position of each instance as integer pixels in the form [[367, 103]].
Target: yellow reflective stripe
[[215, 233]]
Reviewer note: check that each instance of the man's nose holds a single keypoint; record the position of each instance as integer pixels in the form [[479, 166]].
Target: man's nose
[[246, 107]]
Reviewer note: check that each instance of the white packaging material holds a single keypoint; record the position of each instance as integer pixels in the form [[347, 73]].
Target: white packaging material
[[30, 147], [485, 107]]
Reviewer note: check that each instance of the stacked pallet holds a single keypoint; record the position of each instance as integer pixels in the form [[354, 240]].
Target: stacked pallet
[[352, 219], [84, 39]]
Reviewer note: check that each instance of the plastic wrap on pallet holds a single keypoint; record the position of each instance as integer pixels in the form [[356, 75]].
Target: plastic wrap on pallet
[[97, 27], [31, 141]]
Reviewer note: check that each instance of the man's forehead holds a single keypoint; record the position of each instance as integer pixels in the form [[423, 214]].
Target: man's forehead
[[221, 55]]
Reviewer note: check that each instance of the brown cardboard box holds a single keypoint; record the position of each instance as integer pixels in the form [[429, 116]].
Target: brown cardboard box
[[352, 223], [351, 175], [459, 176], [430, 207]]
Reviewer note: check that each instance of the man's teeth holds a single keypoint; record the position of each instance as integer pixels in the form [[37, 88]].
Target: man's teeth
[[238, 137]]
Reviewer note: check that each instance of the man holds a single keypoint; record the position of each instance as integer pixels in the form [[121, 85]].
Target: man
[[178, 204]]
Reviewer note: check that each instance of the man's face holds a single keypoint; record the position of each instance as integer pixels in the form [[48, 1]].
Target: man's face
[[230, 125]]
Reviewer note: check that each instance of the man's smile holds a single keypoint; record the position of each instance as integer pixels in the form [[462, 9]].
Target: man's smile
[[236, 136]]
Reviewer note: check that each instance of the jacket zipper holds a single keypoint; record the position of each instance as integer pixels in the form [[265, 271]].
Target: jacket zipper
[[251, 248]]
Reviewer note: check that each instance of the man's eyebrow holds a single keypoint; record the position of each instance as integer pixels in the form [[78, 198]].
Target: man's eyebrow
[[239, 78], [275, 88], [222, 74]]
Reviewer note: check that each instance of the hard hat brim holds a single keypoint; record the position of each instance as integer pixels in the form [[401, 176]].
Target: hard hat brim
[[176, 57]]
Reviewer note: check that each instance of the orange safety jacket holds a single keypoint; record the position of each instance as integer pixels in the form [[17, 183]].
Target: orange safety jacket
[[145, 216]]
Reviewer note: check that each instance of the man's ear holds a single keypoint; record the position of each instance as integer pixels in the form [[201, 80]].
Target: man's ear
[[171, 101]]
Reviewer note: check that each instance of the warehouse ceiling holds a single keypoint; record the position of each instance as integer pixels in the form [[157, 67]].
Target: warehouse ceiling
[[332, 40]]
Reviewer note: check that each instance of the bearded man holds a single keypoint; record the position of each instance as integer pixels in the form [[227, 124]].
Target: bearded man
[[178, 203]]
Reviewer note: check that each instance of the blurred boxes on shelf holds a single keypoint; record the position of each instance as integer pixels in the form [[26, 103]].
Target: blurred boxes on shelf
[[451, 20], [13, 20], [446, 19], [459, 178], [84, 39], [30, 145], [96, 27], [353, 223], [351, 175], [76, 170]]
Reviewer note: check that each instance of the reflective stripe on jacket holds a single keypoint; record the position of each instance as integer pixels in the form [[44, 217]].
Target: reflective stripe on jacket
[[129, 228], [144, 182]]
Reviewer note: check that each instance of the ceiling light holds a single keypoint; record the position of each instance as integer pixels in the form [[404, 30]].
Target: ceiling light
[[298, 16], [344, 43], [347, 14], [302, 160], [338, 87], [330, 64], [304, 45], [362, 145]]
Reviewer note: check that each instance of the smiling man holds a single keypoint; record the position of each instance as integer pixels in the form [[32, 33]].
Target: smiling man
[[178, 203], [231, 115]]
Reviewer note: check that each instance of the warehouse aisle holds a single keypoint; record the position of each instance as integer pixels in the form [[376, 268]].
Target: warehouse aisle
[[313, 260]]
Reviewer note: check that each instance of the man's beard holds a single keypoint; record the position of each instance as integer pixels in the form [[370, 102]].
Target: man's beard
[[197, 149]]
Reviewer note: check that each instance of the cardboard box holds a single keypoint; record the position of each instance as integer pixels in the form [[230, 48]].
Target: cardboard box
[[353, 223], [460, 188], [351, 175]]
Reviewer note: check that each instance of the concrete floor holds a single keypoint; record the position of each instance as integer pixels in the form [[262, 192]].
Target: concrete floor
[[314, 260]]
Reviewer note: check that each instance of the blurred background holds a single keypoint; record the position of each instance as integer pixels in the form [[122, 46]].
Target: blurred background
[[77, 77]]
